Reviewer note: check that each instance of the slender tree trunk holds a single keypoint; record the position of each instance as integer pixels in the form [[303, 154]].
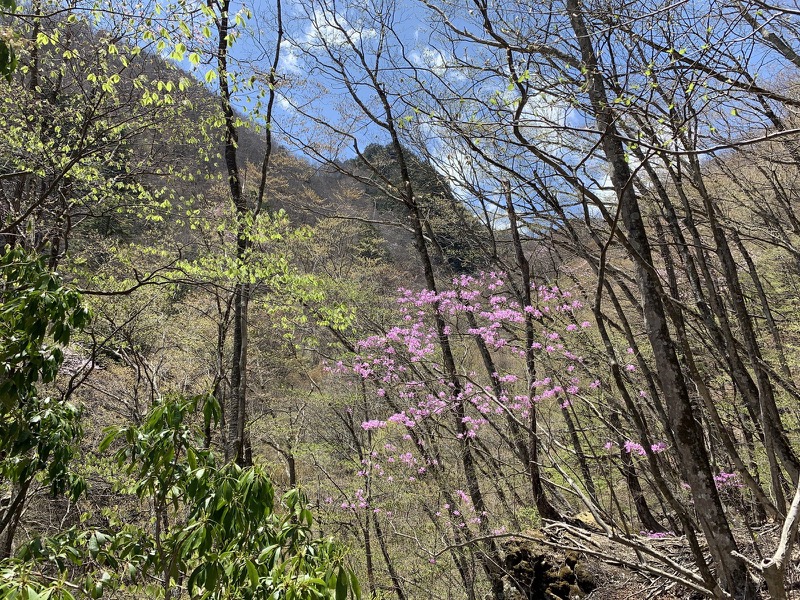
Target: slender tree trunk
[[236, 407], [490, 556], [11, 518], [583, 465], [368, 553], [395, 578], [543, 506], [774, 433], [628, 470]]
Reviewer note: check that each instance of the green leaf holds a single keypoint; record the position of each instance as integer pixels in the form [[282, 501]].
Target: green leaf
[[252, 573], [341, 584], [111, 435], [355, 586], [32, 594]]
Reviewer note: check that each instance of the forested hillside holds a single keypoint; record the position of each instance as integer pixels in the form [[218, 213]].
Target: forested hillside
[[399, 299]]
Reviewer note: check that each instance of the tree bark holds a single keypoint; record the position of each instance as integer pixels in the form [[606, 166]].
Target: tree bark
[[236, 407], [543, 506]]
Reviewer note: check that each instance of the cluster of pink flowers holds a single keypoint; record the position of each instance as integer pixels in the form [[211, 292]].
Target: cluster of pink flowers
[[727, 480], [497, 315], [657, 535], [401, 466], [462, 515], [359, 502], [404, 365], [632, 447]]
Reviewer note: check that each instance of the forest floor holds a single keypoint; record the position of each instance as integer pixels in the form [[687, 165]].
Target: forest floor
[[566, 562]]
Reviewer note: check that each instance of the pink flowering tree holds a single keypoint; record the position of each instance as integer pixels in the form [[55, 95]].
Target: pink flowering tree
[[522, 385], [404, 364], [532, 390]]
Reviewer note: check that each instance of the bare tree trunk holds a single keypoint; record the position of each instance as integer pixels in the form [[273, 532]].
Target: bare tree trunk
[[236, 406], [395, 578], [543, 505], [11, 518]]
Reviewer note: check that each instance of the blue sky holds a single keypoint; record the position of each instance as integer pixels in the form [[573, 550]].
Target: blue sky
[[321, 36]]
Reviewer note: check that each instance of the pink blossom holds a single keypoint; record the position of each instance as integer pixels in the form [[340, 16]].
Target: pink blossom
[[657, 535], [727, 480], [631, 446]]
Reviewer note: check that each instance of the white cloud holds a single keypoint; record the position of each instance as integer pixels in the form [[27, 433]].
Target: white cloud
[[330, 29], [290, 57], [323, 30], [437, 63], [285, 103]]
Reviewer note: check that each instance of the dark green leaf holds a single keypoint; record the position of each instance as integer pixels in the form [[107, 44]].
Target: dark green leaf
[[252, 573]]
